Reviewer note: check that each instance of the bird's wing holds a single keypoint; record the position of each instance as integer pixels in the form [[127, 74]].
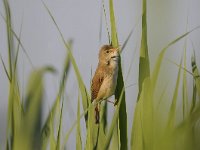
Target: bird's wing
[[96, 83]]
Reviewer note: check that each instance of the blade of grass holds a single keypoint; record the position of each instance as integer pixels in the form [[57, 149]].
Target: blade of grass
[[104, 11], [92, 130], [172, 112], [147, 114], [144, 72], [9, 37], [113, 123], [5, 69], [194, 97], [47, 129], [129, 35], [91, 107], [184, 87], [18, 48], [19, 42], [102, 127], [196, 74], [162, 53], [114, 37], [161, 97], [17, 108], [52, 137], [84, 94], [11, 123], [179, 66], [101, 22], [137, 129], [27, 135], [196, 82], [78, 129], [143, 124], [16, 113], [161, 56], [126, 41], [120, 85], [144, 68], [59, 129]]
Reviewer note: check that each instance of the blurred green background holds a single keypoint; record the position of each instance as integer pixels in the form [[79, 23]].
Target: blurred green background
[[83, 21]]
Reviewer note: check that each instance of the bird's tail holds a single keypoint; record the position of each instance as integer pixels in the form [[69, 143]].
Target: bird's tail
[[97, 116]]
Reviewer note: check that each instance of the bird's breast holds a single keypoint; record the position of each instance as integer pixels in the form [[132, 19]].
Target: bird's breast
[[108, 86]]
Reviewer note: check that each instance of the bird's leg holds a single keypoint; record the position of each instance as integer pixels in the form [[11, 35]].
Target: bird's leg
[[110, 101], [97, 105], [115, 103], [97, 112], [94, 102]]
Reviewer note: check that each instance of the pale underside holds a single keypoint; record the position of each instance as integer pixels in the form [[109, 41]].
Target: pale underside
[[104, 82]]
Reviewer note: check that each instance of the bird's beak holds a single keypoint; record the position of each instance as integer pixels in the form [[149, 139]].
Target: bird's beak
[[116, 53]]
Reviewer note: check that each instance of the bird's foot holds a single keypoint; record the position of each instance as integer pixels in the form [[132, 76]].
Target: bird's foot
[[111, 102], [116, 102]]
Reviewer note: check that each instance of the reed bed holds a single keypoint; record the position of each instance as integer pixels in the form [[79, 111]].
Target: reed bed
[[149, 131]]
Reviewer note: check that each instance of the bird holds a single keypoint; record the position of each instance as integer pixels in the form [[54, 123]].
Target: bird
[[104, 80]]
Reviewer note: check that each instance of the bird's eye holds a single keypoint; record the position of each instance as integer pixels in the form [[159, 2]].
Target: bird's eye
[[107, 51]]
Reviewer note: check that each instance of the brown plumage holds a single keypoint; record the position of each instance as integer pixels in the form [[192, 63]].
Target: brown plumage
[[105, 78]]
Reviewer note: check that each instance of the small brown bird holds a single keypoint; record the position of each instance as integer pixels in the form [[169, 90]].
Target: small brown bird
[[105, 79]]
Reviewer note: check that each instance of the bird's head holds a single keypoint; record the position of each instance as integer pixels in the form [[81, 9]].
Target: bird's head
[[109, 55]]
